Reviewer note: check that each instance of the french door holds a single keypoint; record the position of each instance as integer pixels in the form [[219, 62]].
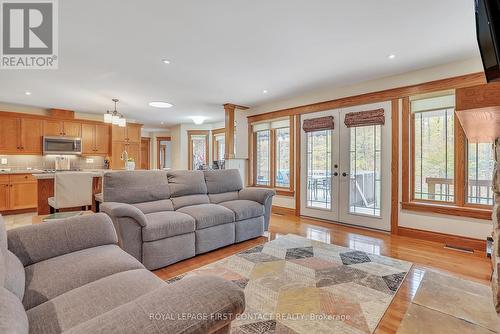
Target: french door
[[345, 172]]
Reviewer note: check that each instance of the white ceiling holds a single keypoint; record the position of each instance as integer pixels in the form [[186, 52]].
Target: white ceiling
[[231, 50]]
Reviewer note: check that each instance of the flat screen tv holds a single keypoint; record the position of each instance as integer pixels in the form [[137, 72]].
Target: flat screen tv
[[488, 36]]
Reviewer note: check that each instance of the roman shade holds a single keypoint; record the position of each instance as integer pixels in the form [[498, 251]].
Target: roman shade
[[318, 124], [365, 118]]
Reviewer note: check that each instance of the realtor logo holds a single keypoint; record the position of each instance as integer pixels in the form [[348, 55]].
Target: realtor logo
[[29, 38]]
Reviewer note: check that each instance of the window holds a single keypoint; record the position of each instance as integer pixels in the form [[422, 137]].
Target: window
[[198, 149], [218, 144], [319, 160], [480, 165], [445, 174], [273, 154], [263, 169], [365, 167]]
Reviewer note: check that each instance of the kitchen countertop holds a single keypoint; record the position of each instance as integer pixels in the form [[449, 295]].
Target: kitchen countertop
[[21, 171], [51, 175]]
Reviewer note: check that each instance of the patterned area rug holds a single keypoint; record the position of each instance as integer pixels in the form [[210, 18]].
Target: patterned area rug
[[297, 285]]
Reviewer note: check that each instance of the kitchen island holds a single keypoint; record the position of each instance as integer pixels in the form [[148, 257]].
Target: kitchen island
[[45, 189]]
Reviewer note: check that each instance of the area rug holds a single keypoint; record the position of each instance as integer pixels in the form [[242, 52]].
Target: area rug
[[297, 285], [449, 304]]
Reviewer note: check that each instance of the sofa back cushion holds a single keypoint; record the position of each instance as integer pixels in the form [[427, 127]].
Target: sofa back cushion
[[13, 317], [223, 181], [223, 197], [182, 201], [15, 277], [155, 206], [186, 182], [135, 186]]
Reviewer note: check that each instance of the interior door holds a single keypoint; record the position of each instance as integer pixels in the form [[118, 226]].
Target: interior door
[[320, 168], [345, 172], [365, 175]]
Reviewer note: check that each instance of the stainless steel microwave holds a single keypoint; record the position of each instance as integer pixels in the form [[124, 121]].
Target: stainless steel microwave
[[62, 145]]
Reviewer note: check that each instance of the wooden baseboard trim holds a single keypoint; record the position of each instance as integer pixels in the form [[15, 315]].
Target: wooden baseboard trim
[[16, 212], [447, 239], [280, 210]]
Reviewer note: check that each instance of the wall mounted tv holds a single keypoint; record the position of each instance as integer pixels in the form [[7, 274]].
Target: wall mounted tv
[[488, 36]]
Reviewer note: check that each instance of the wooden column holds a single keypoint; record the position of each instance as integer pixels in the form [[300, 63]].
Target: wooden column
[[229, 109]]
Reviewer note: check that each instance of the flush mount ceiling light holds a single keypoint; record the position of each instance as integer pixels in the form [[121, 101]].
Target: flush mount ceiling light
[[391, 56], [113, 117], [264, 91], [166, 61], [160, 104], [27, 93], [198, 120]]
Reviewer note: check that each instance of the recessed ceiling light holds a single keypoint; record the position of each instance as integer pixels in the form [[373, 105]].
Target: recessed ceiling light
[[198, 120], [160, 104], [27, 93], [264, 91], [391, 56], [166, 61]]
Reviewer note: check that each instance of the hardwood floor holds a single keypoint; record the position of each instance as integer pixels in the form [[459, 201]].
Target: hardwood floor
[[424, 255]]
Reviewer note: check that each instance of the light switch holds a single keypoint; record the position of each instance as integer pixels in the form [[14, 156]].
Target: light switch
[[4, 161]]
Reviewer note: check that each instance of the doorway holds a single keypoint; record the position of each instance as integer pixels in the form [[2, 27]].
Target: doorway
[[145, 152], [163, 152], [345, 175]]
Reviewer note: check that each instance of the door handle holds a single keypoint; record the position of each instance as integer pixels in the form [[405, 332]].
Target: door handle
[[344, 174]]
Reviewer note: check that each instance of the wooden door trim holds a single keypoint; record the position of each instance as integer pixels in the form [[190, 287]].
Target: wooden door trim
[[394, 166], [158, 140]]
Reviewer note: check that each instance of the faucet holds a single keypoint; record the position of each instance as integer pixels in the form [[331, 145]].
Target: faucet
[[124, 157]]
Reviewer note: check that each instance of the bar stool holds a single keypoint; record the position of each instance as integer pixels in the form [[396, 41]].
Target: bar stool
[[71, 189]]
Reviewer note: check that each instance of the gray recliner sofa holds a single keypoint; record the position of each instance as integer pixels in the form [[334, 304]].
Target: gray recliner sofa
[[69, 276], [165, 217]]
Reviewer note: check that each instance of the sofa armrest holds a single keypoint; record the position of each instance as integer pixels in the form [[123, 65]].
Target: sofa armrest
[[260, 195], [35, 243], [197, 304], [121, 210]]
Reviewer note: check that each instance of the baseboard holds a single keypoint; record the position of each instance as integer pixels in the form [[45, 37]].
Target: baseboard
[[447, 239], [18, 211], [280, 210]]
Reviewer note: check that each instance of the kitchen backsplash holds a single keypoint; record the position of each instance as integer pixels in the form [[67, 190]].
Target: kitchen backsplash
[[48, 162]]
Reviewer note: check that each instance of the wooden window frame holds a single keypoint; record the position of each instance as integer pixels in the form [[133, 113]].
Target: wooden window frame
[[283, 191], [192, 133], [459, 207], [215, 150]]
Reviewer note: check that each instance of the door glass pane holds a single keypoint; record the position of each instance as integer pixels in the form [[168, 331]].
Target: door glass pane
[[364, 171], [434, 156], [480, 164], [199, 151], [319, 158], [283, 157], [263, 169]]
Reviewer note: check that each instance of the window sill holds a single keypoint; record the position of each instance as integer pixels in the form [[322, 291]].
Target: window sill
[[450, 210]]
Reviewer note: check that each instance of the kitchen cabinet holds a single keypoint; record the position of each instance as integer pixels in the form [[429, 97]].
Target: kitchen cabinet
[[133, 150], [20, 135], [95, 139], [62, 128], [18, 192], [131, 133]]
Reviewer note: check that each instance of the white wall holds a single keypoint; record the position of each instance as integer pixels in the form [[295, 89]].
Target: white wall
[[469, 227]]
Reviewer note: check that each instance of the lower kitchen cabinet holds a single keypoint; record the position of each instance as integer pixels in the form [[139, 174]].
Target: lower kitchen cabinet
[[18, 192]]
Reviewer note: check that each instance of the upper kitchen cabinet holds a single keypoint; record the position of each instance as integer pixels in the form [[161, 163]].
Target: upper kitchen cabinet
[[62, 128], [20, 135], [131, 133], [95, 139]]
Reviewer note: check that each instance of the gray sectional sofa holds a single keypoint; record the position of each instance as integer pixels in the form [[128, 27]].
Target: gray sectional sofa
[[69, 276], [165, 217]]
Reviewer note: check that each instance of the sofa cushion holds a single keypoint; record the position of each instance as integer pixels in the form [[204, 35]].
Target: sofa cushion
[[207, 215], [223, 180], [14, 275], [155, 206], [91, 300], [186, 182], [223, 197], [50, 278], [13, 319], [188, 200], [3, 250], [135, 186], [244, 209], [167, 224]]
